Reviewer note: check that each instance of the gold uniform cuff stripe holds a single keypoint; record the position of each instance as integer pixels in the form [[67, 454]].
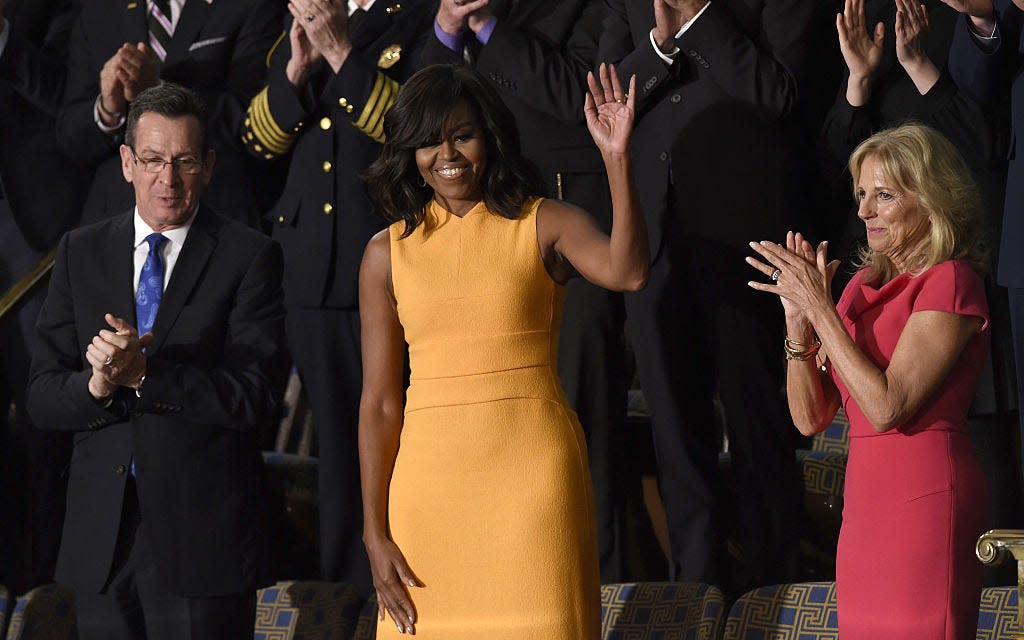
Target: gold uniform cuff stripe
[[378, 86], [263, 125], [371, 121], [277, 43]]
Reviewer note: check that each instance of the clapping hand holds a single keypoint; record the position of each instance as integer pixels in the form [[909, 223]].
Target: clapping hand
[[116, 356], [304, 55], [610, 110], [801, 274], [861, 52], [453, 16], [325, 25]]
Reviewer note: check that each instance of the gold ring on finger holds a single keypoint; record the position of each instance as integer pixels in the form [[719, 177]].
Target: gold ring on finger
[[775, 275]]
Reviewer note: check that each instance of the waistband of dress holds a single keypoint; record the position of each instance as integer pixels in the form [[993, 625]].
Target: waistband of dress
[[535, 382]]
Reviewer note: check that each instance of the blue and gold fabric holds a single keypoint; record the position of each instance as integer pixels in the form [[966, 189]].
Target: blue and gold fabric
[[306, 610], [835, 438], [5, 606], [661, 610], [801, 611], [824, 472], [366, 629], [44, 613], [997, 615]]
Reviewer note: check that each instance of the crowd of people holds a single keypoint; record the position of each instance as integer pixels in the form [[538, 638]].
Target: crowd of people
[[442, 213]]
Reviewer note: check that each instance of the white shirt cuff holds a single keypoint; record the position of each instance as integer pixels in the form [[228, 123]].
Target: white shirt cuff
[[670, 56], [99, 122]]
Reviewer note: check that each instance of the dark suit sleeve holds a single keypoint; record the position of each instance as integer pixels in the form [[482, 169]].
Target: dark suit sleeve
[[58, 388], [242, 391], [985, 74], [616, 46], [38, 73], [763, 75], [551, 77]]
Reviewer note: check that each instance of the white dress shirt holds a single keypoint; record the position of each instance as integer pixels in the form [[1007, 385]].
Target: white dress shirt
[[170, 250]]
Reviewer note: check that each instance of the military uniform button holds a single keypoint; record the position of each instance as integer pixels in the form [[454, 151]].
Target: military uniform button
[[325, 123], [327, 166], [328, 208], [342, 102], [348, 109]]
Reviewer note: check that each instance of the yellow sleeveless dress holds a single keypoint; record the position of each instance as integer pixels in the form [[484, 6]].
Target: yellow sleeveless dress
[[490, 500]]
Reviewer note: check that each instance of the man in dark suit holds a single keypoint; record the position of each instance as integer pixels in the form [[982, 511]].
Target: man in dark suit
[[35, 210], [332, 77], [717, 159], [537, 54], [121, 47], [984, 61], [165, 530]]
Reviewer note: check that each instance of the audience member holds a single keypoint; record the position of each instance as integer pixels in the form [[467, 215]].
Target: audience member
[[480, 465], [35, 210], [331, 79], [984, 62], [119, 48], [166, 389], [915, 497], [718, 159], [536, 55]]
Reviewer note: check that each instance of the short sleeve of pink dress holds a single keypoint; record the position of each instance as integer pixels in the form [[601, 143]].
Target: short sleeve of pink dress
[[915, 498]]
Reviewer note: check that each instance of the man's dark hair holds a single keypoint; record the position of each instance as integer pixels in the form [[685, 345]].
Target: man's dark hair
[[167, 99], [417, 119]]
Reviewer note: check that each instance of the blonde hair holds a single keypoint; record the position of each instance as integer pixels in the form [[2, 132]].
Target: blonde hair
[[922, 162]]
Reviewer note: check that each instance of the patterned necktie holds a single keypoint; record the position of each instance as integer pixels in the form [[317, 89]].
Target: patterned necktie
[[160, 27], [151, 284]]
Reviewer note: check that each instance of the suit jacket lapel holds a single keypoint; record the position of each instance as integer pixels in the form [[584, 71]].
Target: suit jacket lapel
[[133, 22], [119, 267], [193, 15], [199, 246]]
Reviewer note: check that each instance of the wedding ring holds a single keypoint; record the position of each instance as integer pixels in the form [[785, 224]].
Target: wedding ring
[[309, 18], [775, 275], [108, 361], [621, 100], [459, 3]]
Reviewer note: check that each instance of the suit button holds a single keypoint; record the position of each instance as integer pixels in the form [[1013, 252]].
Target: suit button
[[327, 166], [325, 123], [663, 156], [676, 98], [328, 208], [650, 83], [120, 469], [280, 219]]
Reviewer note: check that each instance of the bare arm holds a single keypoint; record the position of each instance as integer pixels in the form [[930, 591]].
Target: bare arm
[[380, 426], [622, 261], [888, 397]]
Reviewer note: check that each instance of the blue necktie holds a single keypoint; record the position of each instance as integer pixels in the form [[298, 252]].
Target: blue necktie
[[151, 284], [150, 290]]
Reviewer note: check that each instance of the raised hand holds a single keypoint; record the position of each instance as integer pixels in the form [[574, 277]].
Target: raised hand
[[392, 579], [453, 15], [325, 23], [668, 20], [804, 278], [911, 28], [112, 102], [304, 56], [861, 52], [138, 69], [610, 110], [980, 12]]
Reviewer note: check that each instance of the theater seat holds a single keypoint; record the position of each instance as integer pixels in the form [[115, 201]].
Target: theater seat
[[801, 611], [835, 438], [997, 615], [294, 610], [44, 613], [661, 610]]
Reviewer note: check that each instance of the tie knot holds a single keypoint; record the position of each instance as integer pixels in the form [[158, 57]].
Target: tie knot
[[156, 241]]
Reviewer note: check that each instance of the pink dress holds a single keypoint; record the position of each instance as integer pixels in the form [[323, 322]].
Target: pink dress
[[916, 500]]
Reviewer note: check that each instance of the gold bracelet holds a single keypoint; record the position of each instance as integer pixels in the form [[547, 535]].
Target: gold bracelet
[[794, 353]]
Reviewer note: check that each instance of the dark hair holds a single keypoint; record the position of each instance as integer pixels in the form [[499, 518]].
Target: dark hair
[[417, 119], [167, 99]]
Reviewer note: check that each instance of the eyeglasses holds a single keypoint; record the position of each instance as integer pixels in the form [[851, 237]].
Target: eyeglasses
[[187, 166]]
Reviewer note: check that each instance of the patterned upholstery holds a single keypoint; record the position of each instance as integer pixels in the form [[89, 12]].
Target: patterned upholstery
[[661, 610], [45, 613], [835, 438], [997, 616], [367, 627], [306, 610], [824, 472], [801, 611], [5, 606], [292, 497]]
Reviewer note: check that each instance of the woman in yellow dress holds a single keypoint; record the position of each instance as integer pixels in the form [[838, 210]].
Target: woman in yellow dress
[[477, 500]]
